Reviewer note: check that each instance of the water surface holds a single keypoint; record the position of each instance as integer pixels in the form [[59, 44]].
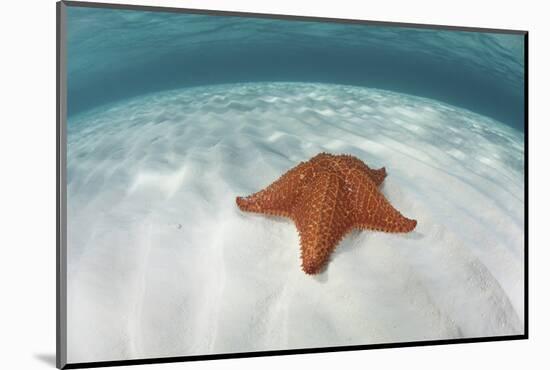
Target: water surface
[[115, 54]]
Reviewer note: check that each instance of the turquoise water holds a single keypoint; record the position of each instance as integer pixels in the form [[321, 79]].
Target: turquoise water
[[118, 54]]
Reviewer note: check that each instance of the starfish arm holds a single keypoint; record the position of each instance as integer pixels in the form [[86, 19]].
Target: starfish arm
[[279, 197], [374, 212], [322, 220], [349, 164], [378, 175]]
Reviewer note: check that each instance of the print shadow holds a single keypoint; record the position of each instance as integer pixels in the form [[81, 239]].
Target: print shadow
[[46, 358]]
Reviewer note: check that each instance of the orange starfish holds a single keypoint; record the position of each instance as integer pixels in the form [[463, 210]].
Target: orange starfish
[[327, 197]]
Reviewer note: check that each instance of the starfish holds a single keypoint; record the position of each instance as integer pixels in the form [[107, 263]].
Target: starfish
[[327, 197]]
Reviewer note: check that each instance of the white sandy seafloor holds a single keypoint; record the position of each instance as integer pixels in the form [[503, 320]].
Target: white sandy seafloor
[[162, 263]]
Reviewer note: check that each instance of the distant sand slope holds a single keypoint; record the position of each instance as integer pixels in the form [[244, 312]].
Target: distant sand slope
[[162, 263]]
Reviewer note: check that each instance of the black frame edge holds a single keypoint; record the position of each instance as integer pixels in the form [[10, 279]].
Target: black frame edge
[[285, 16], [57, 189], [223, 356], [61, 224], [526, 180], [61, 302]]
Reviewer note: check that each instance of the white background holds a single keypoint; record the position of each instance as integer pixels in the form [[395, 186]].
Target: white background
[[27, 186]]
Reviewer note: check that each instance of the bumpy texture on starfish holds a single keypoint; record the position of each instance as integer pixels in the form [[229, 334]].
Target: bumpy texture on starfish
[[327, 197]]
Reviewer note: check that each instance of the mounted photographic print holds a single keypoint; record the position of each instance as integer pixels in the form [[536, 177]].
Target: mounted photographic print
[[234, 184]]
